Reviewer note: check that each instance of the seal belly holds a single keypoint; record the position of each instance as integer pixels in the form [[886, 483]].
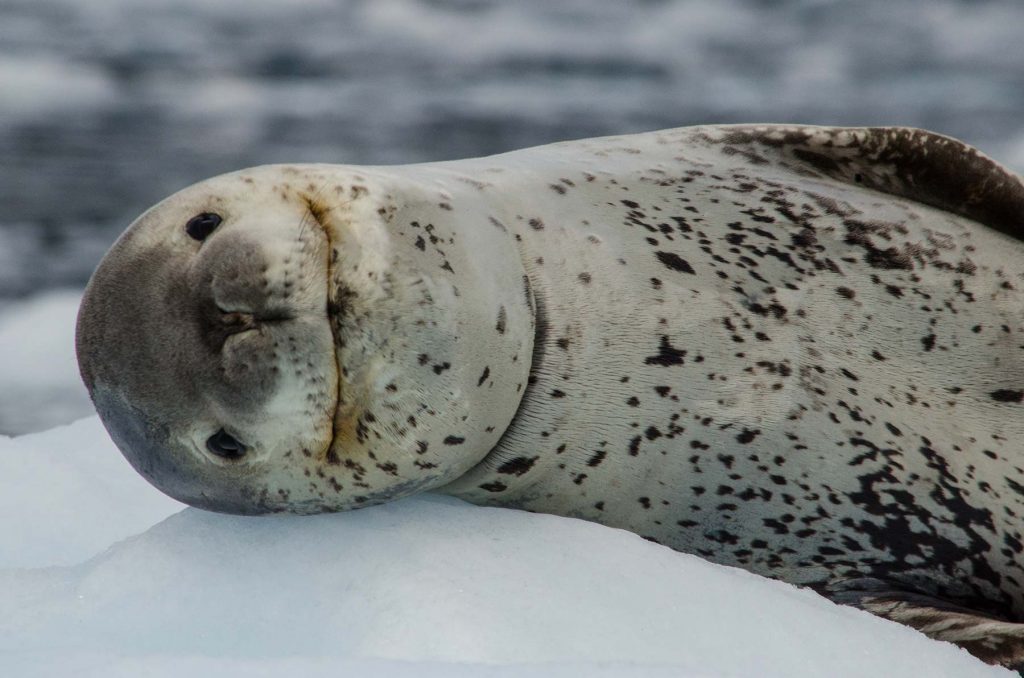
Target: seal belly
[[772, 368]]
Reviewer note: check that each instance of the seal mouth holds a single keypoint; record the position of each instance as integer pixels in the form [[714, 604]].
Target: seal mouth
[[332, 309]]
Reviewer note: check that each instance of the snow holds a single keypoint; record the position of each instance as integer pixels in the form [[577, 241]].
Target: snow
[[100, 575], [68, 494], [39, 384]]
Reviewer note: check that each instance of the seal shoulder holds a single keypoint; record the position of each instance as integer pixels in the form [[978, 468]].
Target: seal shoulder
[[916, 164]]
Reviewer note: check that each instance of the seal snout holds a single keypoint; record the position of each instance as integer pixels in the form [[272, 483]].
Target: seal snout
[[235, 321]]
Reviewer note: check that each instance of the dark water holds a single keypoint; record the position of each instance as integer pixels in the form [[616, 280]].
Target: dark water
[[106, 106]]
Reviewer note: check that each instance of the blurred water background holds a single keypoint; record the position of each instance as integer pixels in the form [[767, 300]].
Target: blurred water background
[[107, 106]]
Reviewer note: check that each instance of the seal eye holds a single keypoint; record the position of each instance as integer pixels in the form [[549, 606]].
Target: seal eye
[[202, 225], [225, 445]]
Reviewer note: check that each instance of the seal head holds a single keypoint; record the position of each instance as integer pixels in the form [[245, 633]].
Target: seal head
[[261, 342]]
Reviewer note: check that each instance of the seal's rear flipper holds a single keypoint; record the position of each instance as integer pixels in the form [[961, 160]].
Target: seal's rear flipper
[[910, 163], [991, 639]]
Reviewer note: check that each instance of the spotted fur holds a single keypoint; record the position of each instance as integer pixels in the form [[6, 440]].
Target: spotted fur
[[788, 349]]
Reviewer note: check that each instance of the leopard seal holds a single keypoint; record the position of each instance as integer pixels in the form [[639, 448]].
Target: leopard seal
[[794, 350]]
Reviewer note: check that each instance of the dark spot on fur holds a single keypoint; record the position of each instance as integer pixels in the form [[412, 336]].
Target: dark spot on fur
[[675, 262], [747, 436], [668, 355], [1005, 395], [517, 466], [859, 233], [502, 317]]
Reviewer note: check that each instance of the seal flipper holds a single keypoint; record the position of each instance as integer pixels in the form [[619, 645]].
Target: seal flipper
[[989, 638], [923, 166]]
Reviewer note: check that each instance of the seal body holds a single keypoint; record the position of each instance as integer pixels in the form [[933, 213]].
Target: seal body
[[792, 350]]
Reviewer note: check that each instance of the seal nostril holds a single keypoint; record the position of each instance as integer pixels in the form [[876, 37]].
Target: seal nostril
[[202, 225], [225, 445], [237, 321]]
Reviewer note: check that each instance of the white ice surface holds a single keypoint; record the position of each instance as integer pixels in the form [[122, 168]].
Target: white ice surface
[[67, 494], [39, 383], [428, 586]]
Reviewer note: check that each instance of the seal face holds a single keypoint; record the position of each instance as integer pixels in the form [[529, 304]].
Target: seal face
[[263, 342], [793, 350]]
